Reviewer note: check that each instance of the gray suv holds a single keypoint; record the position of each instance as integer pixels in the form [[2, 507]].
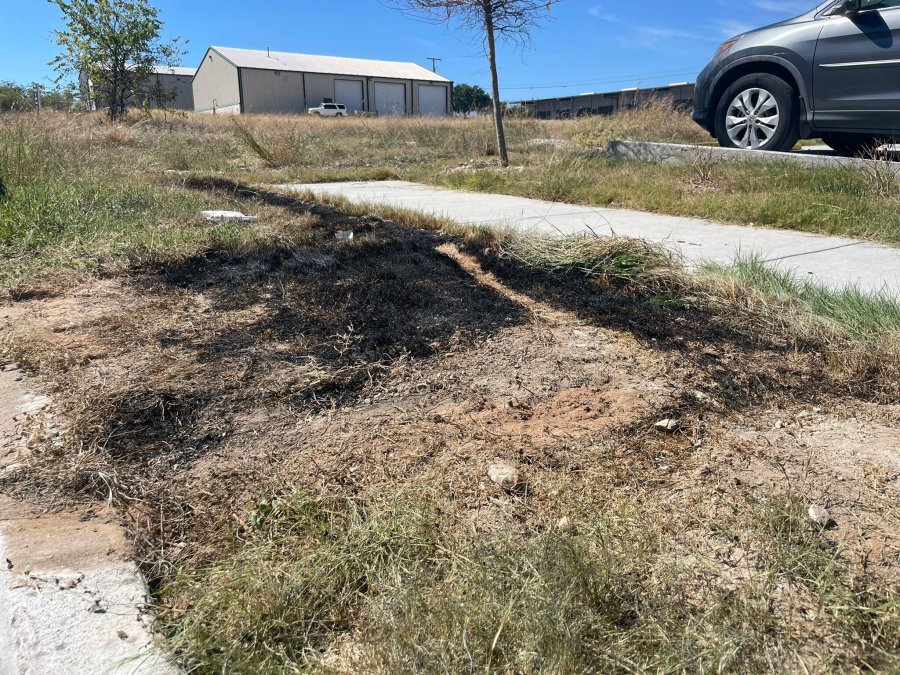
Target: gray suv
[[832, 73]]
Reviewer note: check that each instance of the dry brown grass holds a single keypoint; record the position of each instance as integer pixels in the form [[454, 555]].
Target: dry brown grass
[[657, 121]]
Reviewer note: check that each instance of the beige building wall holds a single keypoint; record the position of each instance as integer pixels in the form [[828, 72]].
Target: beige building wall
[[269, 91], [318, 88], [179, 85], [216, 85]]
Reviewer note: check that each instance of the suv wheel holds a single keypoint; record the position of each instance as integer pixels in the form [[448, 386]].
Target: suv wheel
[[758, 112], [851, 145]]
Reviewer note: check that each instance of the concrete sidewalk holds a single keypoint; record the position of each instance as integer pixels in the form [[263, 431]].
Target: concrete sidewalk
[[835, 262]]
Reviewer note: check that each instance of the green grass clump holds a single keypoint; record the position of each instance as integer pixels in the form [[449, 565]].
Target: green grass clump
[[868, 317], [297, 583], [44, 213], [614, 257]]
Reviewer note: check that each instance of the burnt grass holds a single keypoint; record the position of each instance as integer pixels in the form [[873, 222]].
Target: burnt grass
[[330, 318]]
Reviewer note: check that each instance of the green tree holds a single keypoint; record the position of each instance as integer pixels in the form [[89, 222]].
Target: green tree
[[13, 97], [470, 98], [60, 98], [115, 45], [509, 20]]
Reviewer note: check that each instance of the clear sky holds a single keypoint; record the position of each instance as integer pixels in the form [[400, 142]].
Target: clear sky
[[586, 45]]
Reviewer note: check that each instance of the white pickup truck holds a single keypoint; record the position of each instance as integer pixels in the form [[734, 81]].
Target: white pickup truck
[[329, 110]]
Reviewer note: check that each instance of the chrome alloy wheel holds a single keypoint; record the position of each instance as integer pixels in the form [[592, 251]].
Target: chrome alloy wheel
[[752, 118]]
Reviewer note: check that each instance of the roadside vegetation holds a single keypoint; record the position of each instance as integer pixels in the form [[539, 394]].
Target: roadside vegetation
[[300, 430]]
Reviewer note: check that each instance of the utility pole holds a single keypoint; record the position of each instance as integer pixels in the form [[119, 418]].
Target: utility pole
[[434, 61], [37, 97]]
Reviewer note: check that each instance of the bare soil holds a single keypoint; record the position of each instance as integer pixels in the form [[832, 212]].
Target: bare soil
[[407, 360]]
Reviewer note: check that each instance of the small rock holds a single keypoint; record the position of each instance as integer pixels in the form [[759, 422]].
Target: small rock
[[669, 425], [819, 515], [344, 235], [565, 524], [504, 474], [779, 424]]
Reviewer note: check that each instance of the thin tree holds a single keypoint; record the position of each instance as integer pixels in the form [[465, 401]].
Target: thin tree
[[493, 20], [113, 46]]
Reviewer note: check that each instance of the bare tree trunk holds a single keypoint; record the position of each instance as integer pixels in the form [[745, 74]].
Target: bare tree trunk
[[495, 84]]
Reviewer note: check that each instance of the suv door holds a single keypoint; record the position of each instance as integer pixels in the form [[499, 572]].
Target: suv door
[[856, 75]]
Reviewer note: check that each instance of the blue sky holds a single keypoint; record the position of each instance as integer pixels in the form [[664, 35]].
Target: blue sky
[[586, 45]]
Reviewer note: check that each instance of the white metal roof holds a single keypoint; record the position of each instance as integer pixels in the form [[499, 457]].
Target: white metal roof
[[169, 70], [329, 65]]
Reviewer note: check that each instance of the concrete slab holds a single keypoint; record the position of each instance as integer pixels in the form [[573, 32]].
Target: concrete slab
[[835, 262], [71, 598], [674, 153]]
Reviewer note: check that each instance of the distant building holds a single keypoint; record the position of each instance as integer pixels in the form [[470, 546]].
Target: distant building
[[168, 87], [243, 81], [681, 94]]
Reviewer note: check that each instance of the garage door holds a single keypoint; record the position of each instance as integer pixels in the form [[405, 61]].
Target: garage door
[[432, 100], [350, 93], [390, 98]]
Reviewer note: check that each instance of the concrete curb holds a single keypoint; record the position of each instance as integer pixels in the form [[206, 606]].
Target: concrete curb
[[75, 620], [672, 153], [71, 598]]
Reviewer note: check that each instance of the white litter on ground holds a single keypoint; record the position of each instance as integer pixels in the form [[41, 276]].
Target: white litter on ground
[[229, 216]]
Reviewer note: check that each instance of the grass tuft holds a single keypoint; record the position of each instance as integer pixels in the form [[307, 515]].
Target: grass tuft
[[614, 257], [870, 317]]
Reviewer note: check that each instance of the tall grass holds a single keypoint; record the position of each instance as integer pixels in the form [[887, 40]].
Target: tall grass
[[658, 121], [366, 142], [614, 257]]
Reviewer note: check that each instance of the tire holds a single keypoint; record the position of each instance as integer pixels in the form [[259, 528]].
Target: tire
[[852, 145], [766, 110]]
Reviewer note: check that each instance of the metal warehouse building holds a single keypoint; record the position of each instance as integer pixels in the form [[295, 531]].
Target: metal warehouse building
[[241, 81], [169, 85], [681, 95], [175, 85]]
